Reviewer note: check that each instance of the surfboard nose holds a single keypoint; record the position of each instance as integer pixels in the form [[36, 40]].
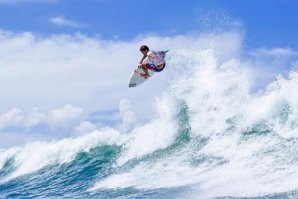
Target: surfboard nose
[[132, 85]]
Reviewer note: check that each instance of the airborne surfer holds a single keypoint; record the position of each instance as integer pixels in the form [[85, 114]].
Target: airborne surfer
[[152, 60]]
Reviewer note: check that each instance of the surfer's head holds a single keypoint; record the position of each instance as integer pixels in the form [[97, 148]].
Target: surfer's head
[[144, 49]]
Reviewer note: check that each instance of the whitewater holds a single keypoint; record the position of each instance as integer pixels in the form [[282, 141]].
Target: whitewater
[[213, 137]]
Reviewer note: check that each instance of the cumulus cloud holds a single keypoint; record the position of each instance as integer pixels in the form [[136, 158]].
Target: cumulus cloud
[[18, 126], [62, 21], [64, 115], [127, 115], [86, 127], [277, 52], [11, 118], [16, 118]]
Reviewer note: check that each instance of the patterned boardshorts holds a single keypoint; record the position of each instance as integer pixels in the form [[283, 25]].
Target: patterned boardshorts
[[154, 68]]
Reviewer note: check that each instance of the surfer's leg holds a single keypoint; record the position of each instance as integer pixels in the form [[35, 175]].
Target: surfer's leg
[[151, 67], [160, 67], [144, 67]]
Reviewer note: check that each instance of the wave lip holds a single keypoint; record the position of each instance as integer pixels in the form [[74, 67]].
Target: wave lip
[[35, 156]]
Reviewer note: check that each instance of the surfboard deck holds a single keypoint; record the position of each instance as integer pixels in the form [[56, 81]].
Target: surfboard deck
[[136, 78]]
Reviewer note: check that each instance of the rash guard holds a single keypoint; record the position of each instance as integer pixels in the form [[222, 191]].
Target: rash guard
[[156, 57]]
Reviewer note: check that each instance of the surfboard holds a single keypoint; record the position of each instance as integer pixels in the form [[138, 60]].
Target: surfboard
[[136, 78]]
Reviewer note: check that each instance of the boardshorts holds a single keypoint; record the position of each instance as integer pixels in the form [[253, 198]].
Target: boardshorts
[[154, 68]]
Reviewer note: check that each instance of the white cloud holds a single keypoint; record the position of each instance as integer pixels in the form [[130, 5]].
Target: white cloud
[[277, 52], [42, 125], [127, 116], [85, 127], [62, 21], [11, 118], [65, 116]]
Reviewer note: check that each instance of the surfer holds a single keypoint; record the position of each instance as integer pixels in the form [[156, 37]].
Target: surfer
[[152, 60]]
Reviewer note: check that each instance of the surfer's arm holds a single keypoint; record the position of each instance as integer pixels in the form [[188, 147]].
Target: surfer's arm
[[143, 59]]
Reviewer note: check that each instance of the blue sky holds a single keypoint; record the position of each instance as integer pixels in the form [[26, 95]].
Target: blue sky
[[268, 23]]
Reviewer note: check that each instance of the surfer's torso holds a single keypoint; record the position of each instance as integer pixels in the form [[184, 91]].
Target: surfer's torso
[[156, 58]]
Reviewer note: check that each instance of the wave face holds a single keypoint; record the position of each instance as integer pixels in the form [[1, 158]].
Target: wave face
[[213, 138]]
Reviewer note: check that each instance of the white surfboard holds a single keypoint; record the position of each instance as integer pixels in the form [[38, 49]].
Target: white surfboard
[[136, 78]]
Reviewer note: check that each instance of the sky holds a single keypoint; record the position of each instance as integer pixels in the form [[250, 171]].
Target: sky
[[64, 64], [113, 19]]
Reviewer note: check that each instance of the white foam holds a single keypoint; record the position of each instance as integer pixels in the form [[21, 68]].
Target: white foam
[[37, 155], [221, 108], [154, 135]]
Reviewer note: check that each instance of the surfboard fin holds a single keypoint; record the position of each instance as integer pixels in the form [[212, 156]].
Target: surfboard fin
[[164, 52]]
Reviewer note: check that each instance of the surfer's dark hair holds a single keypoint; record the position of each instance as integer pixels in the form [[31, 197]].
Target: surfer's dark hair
[[144, 47]]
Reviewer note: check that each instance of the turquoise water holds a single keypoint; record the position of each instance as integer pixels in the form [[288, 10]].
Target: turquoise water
[[73, 179]]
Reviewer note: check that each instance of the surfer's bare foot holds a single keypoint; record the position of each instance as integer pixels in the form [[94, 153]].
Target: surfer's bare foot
[[145, 75]]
